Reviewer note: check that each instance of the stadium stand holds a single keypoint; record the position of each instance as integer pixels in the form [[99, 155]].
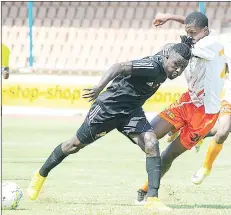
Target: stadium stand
[[78, 36]]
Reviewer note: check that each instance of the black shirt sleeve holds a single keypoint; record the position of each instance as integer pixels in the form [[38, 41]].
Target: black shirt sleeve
[[145, 68]]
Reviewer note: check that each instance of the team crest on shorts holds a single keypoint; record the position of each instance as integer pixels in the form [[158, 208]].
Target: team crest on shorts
[[195, 138], [170, 114]]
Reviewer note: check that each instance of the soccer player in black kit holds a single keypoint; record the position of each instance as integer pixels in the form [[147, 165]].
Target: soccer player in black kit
[[120, 107]]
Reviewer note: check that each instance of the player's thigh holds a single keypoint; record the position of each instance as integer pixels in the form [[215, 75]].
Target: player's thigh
[[96, 124], [172, 118], [161, 126]]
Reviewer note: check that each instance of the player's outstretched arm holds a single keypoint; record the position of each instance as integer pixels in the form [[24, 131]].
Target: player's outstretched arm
[[114, 71], [162, 18]]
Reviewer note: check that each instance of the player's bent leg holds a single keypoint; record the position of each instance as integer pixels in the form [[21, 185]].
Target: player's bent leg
[[86, 134], [214, 149], [57, 156]]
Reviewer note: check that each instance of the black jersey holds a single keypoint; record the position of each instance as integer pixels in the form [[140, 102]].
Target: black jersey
[[127, 93]]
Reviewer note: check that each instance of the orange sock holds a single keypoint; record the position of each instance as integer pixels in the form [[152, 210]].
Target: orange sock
[[145, 186], [213, 151]]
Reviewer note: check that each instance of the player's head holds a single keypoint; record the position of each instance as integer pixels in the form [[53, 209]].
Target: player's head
[[196, 26], [176, 59]]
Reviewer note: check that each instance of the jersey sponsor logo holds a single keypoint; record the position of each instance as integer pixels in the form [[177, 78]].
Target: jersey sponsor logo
[[195, 138]]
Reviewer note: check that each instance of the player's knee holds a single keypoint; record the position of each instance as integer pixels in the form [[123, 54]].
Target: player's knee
[[222, 135], [71, 146], [149, 149], [151, 145]]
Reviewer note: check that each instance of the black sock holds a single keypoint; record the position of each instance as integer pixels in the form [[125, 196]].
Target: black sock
[[54, 159], [153, 167]]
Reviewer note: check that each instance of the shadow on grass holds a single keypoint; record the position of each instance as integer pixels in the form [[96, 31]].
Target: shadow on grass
[[214, 206]]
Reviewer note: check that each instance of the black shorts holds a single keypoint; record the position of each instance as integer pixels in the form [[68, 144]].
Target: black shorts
[[99, 122]]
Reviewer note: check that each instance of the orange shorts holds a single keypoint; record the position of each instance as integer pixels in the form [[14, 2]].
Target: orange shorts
[[225, 108], [193, 123]]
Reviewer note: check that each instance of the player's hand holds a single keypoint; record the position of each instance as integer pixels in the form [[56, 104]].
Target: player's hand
[[160, 19], [91, 94], [6, 73]]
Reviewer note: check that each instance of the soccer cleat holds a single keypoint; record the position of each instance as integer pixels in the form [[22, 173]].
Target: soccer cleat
[[35, 185], [199, 177], [141, 197], [172, 136], [154, 204]]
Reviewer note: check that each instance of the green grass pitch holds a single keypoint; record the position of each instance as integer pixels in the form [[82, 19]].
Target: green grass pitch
[[104, 177]]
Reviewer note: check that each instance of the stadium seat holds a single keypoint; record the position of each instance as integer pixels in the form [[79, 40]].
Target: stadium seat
[[5, 12], [100, 12], [42, 12], [105, 23], [125, 24], [76, 23], [110, 12], [56, 23], [66, 23], [86, 23], [119, 13], [80, 13], [95, 23], [135, 23], [115, 24], [61, 13], [13, 12], [149, 13], [51, 13], [90, 13], [146, 24], [139, 13], [220, 13], [129, 14], [23, 12]]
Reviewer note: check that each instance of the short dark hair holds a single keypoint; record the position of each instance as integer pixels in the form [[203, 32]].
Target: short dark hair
[[198, 19]]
